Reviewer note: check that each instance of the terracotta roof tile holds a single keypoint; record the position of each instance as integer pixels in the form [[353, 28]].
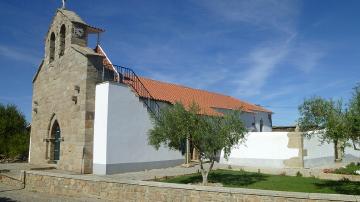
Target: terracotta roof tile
[[208, 101]]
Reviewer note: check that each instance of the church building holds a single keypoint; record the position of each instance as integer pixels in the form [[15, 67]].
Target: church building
[[92, 116]]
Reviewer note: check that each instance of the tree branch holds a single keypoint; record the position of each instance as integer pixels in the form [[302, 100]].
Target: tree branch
[[354, 144]]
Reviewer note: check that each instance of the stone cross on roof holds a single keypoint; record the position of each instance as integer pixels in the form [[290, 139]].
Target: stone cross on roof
[[63, 4]]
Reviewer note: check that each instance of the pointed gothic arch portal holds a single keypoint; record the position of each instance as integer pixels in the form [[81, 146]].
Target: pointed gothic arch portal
[[56, 139]]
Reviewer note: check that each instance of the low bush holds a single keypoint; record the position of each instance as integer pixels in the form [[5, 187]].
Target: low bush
[[349, 169]]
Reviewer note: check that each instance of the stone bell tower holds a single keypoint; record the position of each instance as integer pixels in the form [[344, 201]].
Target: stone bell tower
[[63, 101]]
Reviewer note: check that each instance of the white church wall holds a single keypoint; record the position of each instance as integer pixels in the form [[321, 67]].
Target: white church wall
[[100, 129], [250, 118], [262, 149], [122, 134]]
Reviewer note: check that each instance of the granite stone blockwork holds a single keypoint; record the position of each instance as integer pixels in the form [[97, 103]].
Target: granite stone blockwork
[[64, 91], [130, 190], [296, 142]]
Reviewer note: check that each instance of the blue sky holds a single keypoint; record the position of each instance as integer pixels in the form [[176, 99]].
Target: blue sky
[[273, 53]]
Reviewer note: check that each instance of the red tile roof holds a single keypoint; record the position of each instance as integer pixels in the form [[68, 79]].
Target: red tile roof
[[207, 101]]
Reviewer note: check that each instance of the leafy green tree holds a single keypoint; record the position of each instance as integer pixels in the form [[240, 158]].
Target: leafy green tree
[[353, 118], [208, 134], [14, 137], [324, 118]]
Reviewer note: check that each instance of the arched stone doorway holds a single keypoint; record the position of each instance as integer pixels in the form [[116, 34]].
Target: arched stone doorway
[[55, 137]]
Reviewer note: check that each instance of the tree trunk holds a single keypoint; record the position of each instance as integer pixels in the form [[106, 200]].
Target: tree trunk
[[355, 147], [205, 172], [204, 177], [336, 150]]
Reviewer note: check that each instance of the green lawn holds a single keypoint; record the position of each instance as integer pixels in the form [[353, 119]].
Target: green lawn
[[250, 180]]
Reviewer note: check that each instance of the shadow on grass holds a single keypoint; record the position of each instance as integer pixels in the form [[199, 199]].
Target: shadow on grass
[[236, 179], [226, 178], [341, 187]]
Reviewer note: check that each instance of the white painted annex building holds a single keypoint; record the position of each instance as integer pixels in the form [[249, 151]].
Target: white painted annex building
[[120, 133], [123, 106]]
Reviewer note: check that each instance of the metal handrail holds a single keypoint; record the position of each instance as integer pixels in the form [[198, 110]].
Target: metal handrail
[[129, 77]]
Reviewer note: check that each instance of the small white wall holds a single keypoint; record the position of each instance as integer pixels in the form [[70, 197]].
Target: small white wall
[[262, 149], [322, 154], [122, 123]]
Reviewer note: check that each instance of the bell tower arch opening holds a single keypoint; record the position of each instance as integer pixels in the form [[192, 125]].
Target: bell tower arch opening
[[52, 47], [62, 40]]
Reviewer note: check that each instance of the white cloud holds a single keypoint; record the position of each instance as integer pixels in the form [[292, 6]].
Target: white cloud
[[278, 14], [306, 56], [19, 54], [214, 62], [262, 62]]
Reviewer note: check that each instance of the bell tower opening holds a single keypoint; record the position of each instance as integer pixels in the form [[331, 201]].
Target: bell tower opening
[[62, 40], [52, 47]]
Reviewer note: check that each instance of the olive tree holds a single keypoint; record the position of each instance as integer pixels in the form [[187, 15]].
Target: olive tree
[[353, 118], [209, 134], [324, 118]]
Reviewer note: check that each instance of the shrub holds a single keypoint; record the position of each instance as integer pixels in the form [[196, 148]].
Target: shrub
[[298, 174], [350, 169], [14, 137]]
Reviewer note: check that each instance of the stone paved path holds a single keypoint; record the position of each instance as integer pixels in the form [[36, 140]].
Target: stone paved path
[[160, 173], [10, 194], [179, 170]]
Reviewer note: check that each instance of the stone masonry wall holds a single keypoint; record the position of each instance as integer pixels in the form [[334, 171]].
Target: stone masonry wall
[[130, 190], [64, 90], [295, 141]]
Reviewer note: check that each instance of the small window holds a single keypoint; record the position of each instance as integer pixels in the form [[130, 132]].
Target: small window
[[62, 40], [270, 119], [253, 124], [261, 125], [52, 47]]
